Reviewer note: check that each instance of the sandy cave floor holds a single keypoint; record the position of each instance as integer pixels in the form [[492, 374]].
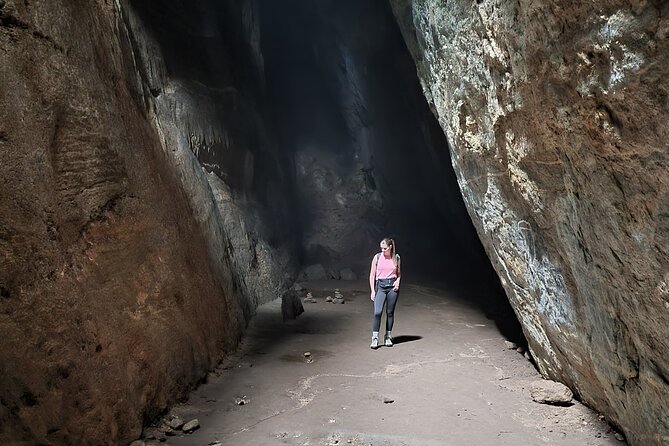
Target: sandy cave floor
[[449, 380]]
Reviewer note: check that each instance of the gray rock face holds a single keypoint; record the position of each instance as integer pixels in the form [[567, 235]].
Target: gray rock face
[[556, 113]]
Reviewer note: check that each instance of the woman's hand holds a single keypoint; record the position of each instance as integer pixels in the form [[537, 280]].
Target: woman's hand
[[372, 296], [396, 285]]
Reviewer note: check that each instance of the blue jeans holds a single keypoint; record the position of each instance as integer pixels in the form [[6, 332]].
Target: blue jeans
[[383, 295]]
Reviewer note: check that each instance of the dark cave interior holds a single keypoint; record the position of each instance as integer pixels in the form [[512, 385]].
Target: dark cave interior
[[328, 109]]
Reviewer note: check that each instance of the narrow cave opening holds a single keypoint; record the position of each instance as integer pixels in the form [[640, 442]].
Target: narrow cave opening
[[370, 157], [328, 131]]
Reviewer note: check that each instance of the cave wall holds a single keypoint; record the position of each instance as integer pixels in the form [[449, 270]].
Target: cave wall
[[556, 115], [202, 74], [127, 270]]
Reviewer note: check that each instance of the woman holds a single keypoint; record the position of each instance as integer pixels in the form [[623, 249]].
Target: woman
[[384, 281]]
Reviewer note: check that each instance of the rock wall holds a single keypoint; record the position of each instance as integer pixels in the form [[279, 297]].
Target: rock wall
[[201, 71], [556, 114], [122, 281]]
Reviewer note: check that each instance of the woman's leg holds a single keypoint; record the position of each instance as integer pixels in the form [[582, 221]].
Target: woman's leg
[[379, 300], [390, 309]]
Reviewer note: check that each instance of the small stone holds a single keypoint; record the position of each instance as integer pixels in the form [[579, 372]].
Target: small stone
[[242, 401], [191, 426], [619, 437], [520, 350], [551, 392], [328, 299], [307, 354], [215, 443], [162, 439], [388, 400], [175, 423], [510, 345], [338, 300]]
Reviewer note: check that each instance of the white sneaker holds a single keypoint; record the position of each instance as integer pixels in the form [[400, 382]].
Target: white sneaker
[[388, 341], [375, 343]]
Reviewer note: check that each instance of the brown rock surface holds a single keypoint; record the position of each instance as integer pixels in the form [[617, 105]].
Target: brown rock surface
[[556, 112], [109, 308]]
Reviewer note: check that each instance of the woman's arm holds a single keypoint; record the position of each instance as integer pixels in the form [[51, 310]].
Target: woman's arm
[[396, 284], [372, 277]]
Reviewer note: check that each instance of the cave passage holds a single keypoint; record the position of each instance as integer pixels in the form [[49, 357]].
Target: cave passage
[[371, 159], [348, 150]]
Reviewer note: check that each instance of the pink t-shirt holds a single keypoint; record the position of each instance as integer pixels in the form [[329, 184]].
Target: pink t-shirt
[[385, 268]]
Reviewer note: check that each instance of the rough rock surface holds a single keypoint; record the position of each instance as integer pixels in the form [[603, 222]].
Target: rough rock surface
[[121, 280], [551, 392], [206, 110], [556, 113]]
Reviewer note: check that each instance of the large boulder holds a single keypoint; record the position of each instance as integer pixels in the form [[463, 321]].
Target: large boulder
[[556, 115]]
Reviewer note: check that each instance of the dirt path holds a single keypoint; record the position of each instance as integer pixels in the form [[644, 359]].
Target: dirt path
[[449, 380]]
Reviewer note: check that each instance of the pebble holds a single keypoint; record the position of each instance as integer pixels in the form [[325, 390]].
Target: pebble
[[175, 423], [241, 401], [388, 400], [619, 437], [307, 354], [510, 345], [191, 426], [328, 299]]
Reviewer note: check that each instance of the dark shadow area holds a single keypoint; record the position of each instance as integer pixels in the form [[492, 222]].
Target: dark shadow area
[[406, 338], [371, 159], [330, 144]]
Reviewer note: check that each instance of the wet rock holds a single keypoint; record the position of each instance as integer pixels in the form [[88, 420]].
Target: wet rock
[[191, 426], [348, 274], [551, 392]]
